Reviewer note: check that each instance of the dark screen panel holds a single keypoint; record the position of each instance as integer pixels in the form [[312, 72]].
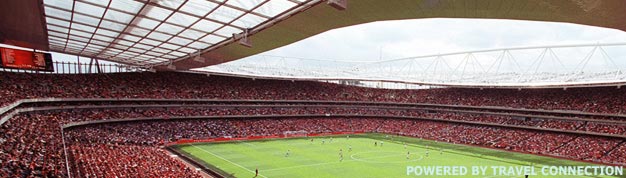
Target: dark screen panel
[[27, 60]]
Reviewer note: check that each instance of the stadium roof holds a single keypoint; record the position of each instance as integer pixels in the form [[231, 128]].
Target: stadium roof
[[149, 32], [159, 32], [521, 67]]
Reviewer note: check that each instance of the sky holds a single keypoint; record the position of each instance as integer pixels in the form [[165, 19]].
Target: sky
[[409, 38], [385, 40]]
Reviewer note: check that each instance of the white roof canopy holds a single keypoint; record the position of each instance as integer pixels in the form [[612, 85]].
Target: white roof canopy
[[585, 64], [144, 32]]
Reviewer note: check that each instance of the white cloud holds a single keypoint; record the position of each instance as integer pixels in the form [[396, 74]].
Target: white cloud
[[411, 38], [408, 38]]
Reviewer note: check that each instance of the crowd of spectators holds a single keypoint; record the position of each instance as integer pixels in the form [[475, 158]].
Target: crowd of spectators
[[587, 148], [154, 133], [32, 143], [617, 155], [33, 146], [605, 128], [14, 86], [544, 142], [110, 160], [30, 146]]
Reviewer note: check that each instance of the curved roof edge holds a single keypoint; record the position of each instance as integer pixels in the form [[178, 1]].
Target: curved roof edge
[[320, 18]]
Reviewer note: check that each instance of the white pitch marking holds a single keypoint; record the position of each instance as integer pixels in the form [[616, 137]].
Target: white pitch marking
[[227, 160]]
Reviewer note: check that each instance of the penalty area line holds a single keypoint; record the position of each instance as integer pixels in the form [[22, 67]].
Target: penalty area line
[[207, 151]]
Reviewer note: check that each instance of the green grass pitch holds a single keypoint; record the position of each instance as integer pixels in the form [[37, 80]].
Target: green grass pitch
[[315, 160]]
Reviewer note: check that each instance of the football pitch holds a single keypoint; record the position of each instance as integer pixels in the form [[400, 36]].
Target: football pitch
[[301, 157]]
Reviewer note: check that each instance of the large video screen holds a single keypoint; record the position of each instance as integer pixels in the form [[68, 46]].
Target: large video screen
[[27, 60]]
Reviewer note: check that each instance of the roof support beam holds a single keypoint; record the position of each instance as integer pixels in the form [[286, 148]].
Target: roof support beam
[[338, 4], [131, 25], [145, 11], [99, 23], [71, 22]]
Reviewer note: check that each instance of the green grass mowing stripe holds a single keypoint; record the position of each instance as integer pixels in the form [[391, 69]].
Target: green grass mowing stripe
[[328, 163], [227, 160], [317, 160], [474, 151], [300, 144]]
